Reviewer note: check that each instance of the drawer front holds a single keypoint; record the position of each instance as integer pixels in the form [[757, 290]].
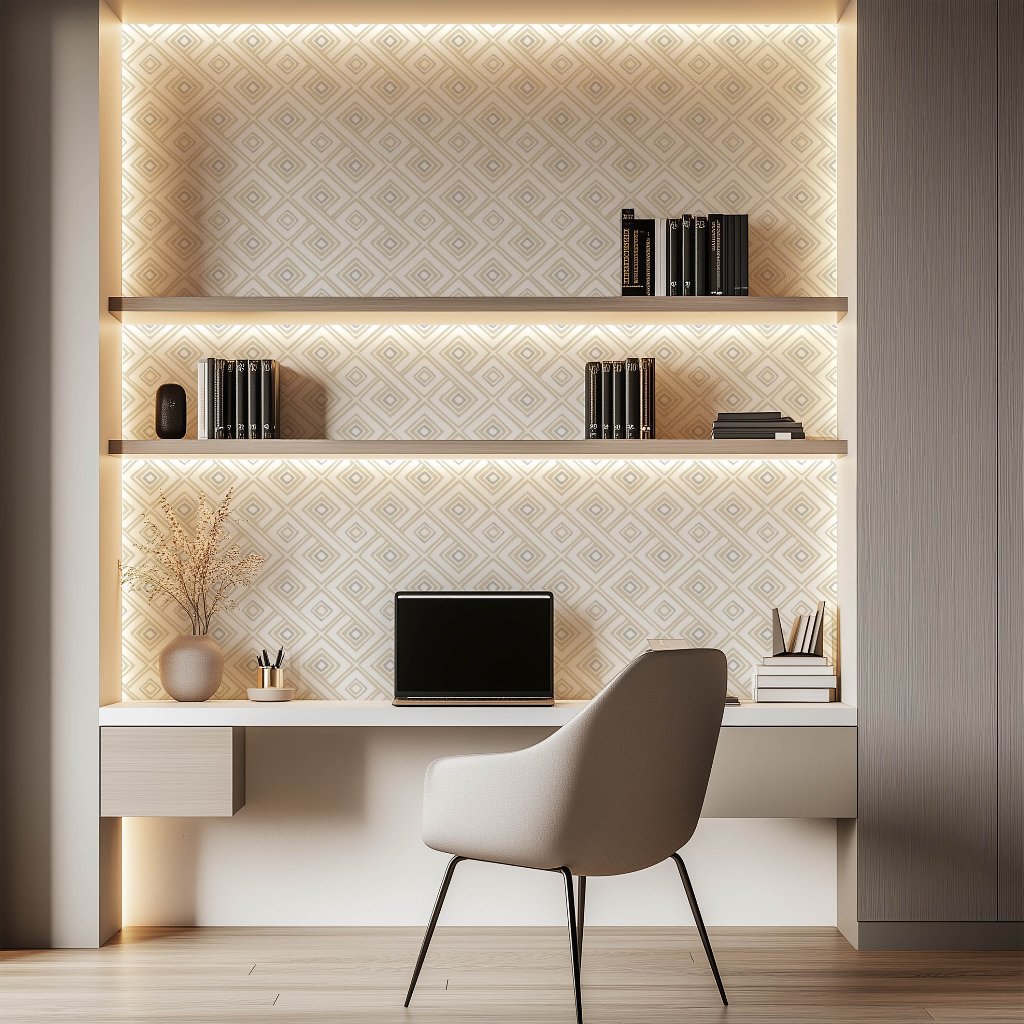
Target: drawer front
[[151, 771], [782, 772]]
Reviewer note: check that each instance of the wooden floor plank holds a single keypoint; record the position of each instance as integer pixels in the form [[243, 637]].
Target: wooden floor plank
[[513, 975]]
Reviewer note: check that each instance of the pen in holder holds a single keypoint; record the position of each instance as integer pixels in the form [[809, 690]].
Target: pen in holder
[[271, 678]]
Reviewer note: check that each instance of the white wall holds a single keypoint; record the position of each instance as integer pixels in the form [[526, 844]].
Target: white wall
[[330, 835]]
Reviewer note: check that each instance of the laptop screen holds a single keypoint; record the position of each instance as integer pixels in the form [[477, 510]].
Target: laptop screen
[[479, 646]]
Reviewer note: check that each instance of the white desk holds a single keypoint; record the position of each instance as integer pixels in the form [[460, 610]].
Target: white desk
[[162, 758]]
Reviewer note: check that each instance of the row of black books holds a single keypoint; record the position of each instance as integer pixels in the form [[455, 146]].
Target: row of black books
[[619, 399], [239, 399], [756, 426], [688, 255]]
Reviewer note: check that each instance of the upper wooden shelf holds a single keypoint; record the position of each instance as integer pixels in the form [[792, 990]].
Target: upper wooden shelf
[[251, 309], [812, 448]]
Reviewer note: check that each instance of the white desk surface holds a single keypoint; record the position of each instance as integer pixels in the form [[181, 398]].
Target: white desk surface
[[374, 713]]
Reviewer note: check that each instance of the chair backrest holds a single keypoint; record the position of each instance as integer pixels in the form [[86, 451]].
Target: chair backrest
[[635, 763]]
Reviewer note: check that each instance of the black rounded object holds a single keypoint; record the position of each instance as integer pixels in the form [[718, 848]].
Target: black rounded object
[[170, 411]]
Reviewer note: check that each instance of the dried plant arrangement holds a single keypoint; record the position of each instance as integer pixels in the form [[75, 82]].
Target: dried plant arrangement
[[196, 572]]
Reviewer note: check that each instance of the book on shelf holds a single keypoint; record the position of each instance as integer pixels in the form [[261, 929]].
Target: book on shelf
[[685, 255], [805, 635], [793, 680], [238, 399], [606, 398], [618, 399], [647, 396], [592, 401], [637, 254], [631, 405], [783, 670], [756, 426], [810, 695], [794, 660]]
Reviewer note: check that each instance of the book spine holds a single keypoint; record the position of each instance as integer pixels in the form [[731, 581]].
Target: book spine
[[714, 254], [201, 401], [218, 399], [647, 429], [592, 401], [729, 254], [744, 259], [275, 374], [241, 399], [253, 399], [618, 399], [229, 399], [266, 400], [660, 256], [628, 281], [211, 399], [700, 256], [673, 256], [631, 404], [606, 399], [819, 695], [686, 254]]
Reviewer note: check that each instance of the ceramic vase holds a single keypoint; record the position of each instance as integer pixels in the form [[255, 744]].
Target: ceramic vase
[[191, 667]]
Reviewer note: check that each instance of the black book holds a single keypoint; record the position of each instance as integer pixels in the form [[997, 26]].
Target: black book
[[276, 382], [773, 415], [241, 398], [229, 398], [743, 286], [714, 254], [700, 256], [211, 398], [758, 435], [592, 401], [631, 404], [267, 399], [686, 250], [637, 255], [647, 431], [618, 399], [253, 406], [673, 256], [728, 254], [739, 428], [606, 398]]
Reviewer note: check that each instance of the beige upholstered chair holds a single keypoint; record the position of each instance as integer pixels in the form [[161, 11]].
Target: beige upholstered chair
[[618, 789]]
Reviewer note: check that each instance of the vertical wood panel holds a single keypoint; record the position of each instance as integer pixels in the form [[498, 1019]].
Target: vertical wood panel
[[926, 422], [1011, 463]]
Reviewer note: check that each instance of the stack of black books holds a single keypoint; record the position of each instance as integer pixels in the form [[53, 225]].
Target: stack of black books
[[687, 255], [239, 399], [756, 426], [619, 399]]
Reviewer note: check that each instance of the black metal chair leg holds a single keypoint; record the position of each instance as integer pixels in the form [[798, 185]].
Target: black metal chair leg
[[433, 924], [582, 913], [700, 925], [574, 948]]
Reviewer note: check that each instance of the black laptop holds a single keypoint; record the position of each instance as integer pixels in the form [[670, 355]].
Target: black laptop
[[474, 647]]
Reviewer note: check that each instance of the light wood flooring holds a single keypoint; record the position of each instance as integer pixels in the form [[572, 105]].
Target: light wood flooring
[[520, 975]]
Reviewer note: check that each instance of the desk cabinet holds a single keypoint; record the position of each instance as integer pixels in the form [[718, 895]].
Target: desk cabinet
[[155, 771]]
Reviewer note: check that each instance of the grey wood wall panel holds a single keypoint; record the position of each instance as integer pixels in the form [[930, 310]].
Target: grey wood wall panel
[[927, 460], [1011, 463]]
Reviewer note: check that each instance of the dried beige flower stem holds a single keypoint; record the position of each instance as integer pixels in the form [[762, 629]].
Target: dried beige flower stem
[[191, 571]]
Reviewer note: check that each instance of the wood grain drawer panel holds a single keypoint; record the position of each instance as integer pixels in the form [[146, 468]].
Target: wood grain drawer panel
[[153, 771], [799, 772]]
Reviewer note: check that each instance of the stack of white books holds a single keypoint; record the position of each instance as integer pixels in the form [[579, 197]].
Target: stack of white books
[[800, 678]]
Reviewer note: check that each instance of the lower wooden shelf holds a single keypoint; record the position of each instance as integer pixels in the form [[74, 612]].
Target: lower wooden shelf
[[812, 448]]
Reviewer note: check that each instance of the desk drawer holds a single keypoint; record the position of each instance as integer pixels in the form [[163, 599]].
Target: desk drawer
[[783, 772], [151, 771]]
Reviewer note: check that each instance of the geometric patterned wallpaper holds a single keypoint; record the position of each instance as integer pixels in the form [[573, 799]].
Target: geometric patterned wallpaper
[[452, 160], [699, 549], [467, 160]]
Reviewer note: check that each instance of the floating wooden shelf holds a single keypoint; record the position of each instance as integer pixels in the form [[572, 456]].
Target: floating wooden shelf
[[218, 309], [813, 448]]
